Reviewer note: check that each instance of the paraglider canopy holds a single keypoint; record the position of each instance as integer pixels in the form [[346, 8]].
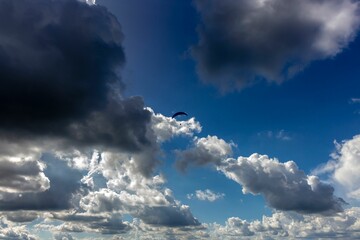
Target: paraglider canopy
[[179, 113]]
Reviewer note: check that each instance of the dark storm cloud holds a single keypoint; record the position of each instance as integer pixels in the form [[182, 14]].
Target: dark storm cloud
[[59, 63], [244, 41], [58, 59], [123, 123]]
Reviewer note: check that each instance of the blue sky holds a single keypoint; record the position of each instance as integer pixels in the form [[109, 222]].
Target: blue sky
[[88, 148]]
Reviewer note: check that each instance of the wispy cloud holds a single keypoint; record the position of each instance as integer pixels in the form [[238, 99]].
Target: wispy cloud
[[355, 100], [206, 195], [280, 135]]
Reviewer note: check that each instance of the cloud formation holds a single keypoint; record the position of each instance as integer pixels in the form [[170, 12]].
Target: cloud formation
[[206, 195], [9, 230], [241, 42], [206, 150], [61, 91], [57, 196], [283, 185], [167, 127], [51, 72], [344, 167], [69, 140], [21, 173], [129, 192], [285, 225]]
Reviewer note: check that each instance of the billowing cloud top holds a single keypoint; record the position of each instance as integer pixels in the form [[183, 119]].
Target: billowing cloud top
[[242, 41], [284, 185], [344, 167]]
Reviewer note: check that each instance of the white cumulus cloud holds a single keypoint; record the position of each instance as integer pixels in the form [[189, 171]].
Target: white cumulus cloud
[[344, 167]]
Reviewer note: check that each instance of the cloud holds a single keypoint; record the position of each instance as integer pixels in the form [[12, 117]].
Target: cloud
[[21, 216], [61, 91], [147, 231], [170, 216], [206, 195], [129, 192], [284, 225], [21, 173], [344, 167], [51, 72], [9, 230], [91, 2], [355, 100], [64, 184], [167, 127], [103, 223], [283, 185], [206, 150], [280, 135], [63, 236], [69, 140], [241, 42]]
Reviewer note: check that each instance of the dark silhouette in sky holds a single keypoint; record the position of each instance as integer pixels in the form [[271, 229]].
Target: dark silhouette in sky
[[179, 113]]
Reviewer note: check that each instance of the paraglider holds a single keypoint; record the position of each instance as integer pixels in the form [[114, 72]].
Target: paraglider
[[179, 113]]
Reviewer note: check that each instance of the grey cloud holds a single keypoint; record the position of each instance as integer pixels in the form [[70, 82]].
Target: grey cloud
[[112, 225], [64, 183], [21, 216], [148, 231], [124, 124], [77, 217], [22, 176], [241, 42], [60, 84], [130, 192], [63, 236], [170, 216], [58, 61], [101, 223], [283, 185], [194, 157], [210, 149]]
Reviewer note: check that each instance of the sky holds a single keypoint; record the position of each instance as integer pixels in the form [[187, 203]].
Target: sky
[[270, 148]]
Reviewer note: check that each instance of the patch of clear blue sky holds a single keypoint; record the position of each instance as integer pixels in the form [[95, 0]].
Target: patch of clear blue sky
[[313, 107]]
